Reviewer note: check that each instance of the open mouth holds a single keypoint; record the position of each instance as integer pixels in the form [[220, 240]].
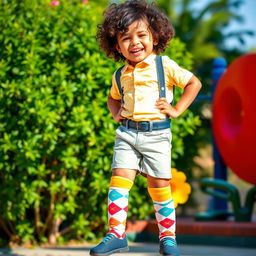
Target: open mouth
[[136, 51]]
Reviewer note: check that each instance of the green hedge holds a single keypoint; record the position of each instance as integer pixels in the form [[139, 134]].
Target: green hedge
[[56, 133]]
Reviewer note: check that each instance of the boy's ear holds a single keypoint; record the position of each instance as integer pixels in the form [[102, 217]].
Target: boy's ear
[[118, 48], [155, 41]]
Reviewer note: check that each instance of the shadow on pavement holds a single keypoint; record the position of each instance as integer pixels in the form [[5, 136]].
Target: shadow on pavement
[[7, 252], [144, 248]]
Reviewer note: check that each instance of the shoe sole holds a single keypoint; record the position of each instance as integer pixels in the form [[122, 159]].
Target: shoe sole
[[125, 249], [162, 254]]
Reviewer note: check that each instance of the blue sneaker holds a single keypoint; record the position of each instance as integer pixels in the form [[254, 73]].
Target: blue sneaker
[[110, 244], [168, 247]]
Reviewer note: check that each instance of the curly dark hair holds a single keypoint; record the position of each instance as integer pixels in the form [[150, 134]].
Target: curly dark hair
[[118, 17]]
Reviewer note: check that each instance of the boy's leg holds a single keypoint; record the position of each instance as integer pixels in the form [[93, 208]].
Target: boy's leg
[[118, 205], [118, 195], [164, 211], [165, 216]]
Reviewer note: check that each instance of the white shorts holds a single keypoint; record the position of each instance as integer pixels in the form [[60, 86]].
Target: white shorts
[[147, 152]]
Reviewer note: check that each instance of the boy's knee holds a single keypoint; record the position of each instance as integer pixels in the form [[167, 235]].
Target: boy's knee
[[154, 182], [125, 173]]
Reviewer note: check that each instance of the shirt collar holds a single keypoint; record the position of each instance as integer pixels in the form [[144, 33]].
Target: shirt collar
[[146, 61]]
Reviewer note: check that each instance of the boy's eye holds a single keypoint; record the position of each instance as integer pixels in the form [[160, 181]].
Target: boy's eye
[[126, 38], [142, 35]]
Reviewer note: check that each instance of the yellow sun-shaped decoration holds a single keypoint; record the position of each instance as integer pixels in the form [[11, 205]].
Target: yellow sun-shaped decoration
[[180, 189]]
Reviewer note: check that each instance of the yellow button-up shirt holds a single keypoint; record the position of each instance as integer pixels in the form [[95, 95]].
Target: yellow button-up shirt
[[140, 87]]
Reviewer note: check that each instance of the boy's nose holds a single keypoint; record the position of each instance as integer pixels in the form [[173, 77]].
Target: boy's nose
[[135, 41]]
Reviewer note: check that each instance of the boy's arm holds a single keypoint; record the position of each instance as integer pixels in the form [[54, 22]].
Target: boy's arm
[[115, 107], [189, 94]]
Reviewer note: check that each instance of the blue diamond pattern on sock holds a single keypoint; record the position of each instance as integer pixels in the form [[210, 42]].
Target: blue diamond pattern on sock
[[165, 211], [114, 195]]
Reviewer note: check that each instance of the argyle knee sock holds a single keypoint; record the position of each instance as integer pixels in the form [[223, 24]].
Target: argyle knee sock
[[118, 205], [164, 211]]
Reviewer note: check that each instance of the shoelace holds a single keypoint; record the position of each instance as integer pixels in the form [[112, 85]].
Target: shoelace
[[107, 238], [169, 242]]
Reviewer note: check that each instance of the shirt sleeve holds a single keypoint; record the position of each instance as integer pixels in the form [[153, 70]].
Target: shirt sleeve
[[176, 75], [114, 91]]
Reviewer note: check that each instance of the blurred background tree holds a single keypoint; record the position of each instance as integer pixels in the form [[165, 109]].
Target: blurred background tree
[[202, 30]]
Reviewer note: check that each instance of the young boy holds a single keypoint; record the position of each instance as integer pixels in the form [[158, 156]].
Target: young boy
[[136, 31]]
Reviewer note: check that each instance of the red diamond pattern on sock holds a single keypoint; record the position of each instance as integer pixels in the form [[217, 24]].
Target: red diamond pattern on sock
[[126, 209], [113, 208], [167, 223]]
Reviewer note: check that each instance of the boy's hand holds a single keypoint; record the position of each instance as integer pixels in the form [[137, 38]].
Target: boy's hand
[[189, 93], [118, 117], [166, 108]]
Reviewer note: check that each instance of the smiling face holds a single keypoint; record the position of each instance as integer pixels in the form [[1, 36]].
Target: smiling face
[[137, 43]]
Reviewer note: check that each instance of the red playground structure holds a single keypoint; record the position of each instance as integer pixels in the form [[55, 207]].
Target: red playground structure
[[234, 124]]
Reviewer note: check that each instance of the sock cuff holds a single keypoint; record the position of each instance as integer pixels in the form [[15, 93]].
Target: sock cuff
[[160, 194], [120, 182]]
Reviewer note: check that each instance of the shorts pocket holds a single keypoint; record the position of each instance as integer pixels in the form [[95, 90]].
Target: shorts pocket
[[161, 135]]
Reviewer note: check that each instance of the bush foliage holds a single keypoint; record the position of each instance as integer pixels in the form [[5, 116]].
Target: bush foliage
[[56, 133]]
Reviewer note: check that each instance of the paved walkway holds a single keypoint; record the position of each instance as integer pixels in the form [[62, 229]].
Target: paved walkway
[[136, 249]]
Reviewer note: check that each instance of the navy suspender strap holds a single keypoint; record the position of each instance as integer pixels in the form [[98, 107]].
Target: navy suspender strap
[[160, 77], [118, 81]]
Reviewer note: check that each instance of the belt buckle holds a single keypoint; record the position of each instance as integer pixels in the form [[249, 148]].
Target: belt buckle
[[147, 126]]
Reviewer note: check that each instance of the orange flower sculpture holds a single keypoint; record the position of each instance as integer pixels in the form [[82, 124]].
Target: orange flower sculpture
[[180, 189]]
